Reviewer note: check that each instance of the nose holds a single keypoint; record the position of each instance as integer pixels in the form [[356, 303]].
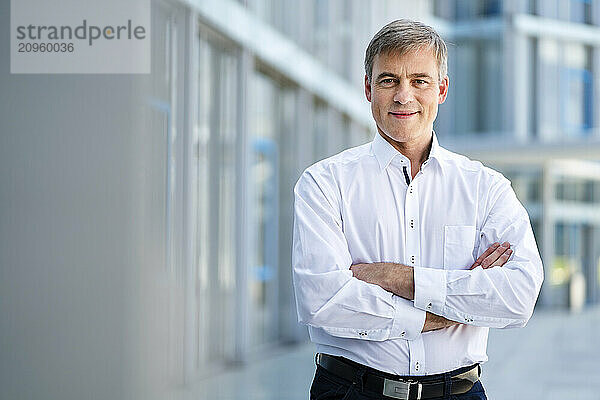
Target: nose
[[403, 93]]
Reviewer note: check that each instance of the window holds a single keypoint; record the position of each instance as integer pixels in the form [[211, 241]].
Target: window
[[577, 190], [576, 90], [321, 30], [216, 194], [576, 100], [478, 85], [271, 162], [580, 11], [320, 130], [565, 108], [472, 9]]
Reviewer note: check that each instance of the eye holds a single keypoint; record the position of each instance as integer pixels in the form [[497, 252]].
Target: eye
[[421, 81], [387, 82]]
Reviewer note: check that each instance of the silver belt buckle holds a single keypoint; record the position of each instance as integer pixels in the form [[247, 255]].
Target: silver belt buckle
[[401, 390]]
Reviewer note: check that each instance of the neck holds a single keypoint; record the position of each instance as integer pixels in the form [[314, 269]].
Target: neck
[[417, 152]]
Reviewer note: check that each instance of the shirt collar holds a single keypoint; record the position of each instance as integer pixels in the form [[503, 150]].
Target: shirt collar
[[385, 152]]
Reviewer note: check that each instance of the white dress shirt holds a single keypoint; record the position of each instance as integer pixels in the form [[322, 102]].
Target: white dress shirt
[[361, 206]]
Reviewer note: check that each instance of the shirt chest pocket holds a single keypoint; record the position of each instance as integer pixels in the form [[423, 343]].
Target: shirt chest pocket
[[459, 242]]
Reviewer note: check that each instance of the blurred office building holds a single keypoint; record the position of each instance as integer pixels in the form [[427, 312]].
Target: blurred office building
[[525, 79], [161, 221]]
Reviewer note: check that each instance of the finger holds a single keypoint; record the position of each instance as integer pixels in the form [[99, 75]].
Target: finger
[[489, 260], [493, 247], [502, 259], [486, 253]]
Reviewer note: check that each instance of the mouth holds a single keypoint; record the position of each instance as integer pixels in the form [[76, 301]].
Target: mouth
[[403, 114]]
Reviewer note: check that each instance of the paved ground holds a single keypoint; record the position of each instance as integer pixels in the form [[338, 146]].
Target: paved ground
[[557, 356]]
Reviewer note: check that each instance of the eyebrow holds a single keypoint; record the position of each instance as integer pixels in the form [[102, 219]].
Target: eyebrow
[[415, 75]]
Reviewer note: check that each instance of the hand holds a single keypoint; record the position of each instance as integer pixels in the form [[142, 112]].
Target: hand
[[495, 256]]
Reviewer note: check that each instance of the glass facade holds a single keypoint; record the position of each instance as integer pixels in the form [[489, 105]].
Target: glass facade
[[253, 123]]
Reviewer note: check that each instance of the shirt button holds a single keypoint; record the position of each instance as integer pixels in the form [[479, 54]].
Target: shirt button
[[412, 223], [417, 366], [402, 334], [412, 259], [429, 306]]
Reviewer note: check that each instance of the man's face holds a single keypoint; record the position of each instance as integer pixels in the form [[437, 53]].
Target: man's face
[[404, 93]]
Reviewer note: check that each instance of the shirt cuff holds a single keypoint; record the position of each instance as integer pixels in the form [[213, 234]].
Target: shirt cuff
[[430, 289], [408, 320]]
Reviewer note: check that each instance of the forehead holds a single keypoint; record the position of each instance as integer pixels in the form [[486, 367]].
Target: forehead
[[420, 60]]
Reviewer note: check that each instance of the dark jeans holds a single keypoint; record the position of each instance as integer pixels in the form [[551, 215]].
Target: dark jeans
[[327, 386]]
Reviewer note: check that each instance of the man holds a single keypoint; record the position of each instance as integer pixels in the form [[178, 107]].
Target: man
[[397, 263]]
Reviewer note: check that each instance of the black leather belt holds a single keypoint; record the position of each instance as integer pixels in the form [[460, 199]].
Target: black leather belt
[[406, 388]]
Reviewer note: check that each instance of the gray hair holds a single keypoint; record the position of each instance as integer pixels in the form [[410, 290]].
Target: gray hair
[[402, 36]]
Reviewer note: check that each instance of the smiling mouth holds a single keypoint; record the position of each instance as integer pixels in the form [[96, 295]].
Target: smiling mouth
[[403, 114]]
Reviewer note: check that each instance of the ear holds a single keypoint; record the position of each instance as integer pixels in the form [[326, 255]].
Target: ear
[[367, 88], [444, 83]]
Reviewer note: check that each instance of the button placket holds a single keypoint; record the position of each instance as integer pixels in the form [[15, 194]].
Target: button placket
[[416, 349], [412, 255], [412, 233]]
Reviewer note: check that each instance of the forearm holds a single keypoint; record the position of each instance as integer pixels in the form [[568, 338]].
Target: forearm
[[399, 279], [434, 322], [393, 277]]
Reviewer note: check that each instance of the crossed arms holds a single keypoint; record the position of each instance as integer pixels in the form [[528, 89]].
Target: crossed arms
[[398, 303], [399, 279]]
